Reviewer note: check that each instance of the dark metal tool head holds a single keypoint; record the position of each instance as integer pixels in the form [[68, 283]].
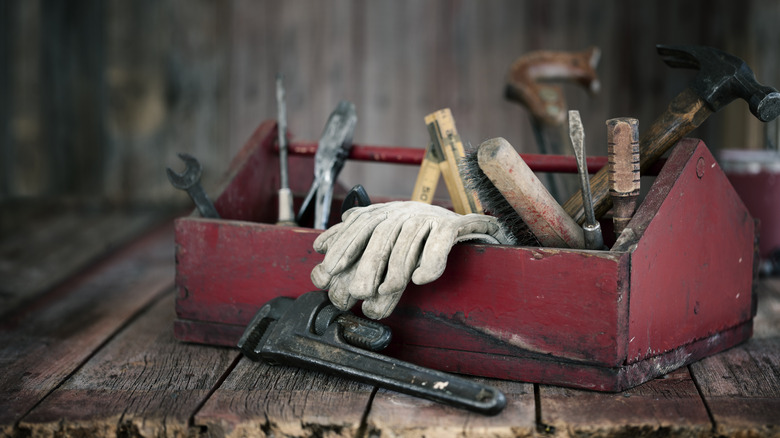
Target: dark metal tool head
[[189, 177], [722, 78]]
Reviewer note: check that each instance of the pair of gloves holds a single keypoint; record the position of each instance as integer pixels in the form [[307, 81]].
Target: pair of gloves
[[376, 250]]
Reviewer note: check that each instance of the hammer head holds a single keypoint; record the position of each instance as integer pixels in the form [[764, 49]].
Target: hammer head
[[722, 78]]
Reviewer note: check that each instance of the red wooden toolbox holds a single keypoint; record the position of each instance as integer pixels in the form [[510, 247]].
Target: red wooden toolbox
[[602, 320]]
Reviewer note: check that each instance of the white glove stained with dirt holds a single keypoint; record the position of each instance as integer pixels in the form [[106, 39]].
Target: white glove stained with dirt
[[374, 252]]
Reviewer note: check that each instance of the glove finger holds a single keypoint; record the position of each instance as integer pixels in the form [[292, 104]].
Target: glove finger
[[321, 242], [381, 306], [405, 256], [373, 263], [350, 243], [434, 255], [339, 290]]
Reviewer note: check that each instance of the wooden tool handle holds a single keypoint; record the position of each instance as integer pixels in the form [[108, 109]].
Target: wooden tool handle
[[526, 194], [623, 154], [444, 136], [686, 112]]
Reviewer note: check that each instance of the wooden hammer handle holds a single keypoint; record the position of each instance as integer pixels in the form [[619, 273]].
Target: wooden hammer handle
[[684, 114]]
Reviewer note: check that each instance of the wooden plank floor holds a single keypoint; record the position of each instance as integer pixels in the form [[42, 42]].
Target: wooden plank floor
[[95, 356]]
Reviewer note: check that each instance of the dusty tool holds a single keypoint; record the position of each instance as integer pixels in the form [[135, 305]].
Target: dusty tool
[[190, 181], [722, 78], [332, 151], [286, 215], [529, 83], [624, 177], [442, 158], [511, 179], [591, 229], [310, 332]]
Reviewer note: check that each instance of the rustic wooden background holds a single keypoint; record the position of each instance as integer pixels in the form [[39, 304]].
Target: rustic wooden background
[[96, 97]]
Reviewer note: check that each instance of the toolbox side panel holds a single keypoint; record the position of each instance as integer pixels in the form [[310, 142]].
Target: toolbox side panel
[[508, 300], [521, 301], [226, 270], [692, 270]]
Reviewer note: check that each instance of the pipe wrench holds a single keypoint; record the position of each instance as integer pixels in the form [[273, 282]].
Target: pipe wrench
[[310, 332]]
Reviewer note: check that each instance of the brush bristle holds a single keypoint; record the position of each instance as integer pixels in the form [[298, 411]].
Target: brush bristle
[[493, 202]]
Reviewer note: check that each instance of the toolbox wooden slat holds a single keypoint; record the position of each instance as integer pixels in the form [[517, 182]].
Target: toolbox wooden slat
[[604, 320], [41, 348], [143, 383]]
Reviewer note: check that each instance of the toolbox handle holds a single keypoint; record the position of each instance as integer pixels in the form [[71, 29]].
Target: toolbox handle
[[414, 156]]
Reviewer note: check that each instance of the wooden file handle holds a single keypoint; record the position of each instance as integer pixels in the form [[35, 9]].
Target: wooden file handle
[[685, 113], [623, 154]]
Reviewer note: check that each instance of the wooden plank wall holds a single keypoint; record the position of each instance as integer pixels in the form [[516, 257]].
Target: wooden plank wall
[[98, 96]]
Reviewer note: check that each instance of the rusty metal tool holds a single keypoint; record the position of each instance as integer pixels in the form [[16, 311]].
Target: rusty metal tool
[[189, 180], [530, 84], [721, 79], [442, 158], [309, 332], [332, 151], [624, 176], [286, 215], [591, 229]]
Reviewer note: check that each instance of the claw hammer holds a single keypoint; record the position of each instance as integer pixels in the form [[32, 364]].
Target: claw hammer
[[722, 78]]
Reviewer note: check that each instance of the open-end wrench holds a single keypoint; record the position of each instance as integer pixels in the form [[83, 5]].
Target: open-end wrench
[[310, 332], [190, 181]]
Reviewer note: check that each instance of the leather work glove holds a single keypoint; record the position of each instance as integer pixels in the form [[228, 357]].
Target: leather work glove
[[374, 252]]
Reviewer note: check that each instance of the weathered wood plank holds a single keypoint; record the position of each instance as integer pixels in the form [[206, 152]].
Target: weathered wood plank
[[40, 349], [283, 401], [142, 383], [49, 249], [741, 386], [399, 415], [662, 407]]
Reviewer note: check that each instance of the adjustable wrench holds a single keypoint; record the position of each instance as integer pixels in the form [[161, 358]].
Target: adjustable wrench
[[310, 332], [190, 181]]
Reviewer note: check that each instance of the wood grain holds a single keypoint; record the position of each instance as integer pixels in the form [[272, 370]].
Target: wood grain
[[41, 348], [668, 406], [741, 386], [142, 383], [400, 415], [260, 399], [45, 251]]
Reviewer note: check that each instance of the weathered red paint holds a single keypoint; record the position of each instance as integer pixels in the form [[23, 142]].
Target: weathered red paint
[[591, 319]]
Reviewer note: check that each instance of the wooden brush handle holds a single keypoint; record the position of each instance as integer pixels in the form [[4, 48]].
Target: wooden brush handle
[[623, 154], [686, 112], [527, 195]]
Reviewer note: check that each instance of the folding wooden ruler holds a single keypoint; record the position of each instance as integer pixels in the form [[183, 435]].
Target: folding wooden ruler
[[442, 157]]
